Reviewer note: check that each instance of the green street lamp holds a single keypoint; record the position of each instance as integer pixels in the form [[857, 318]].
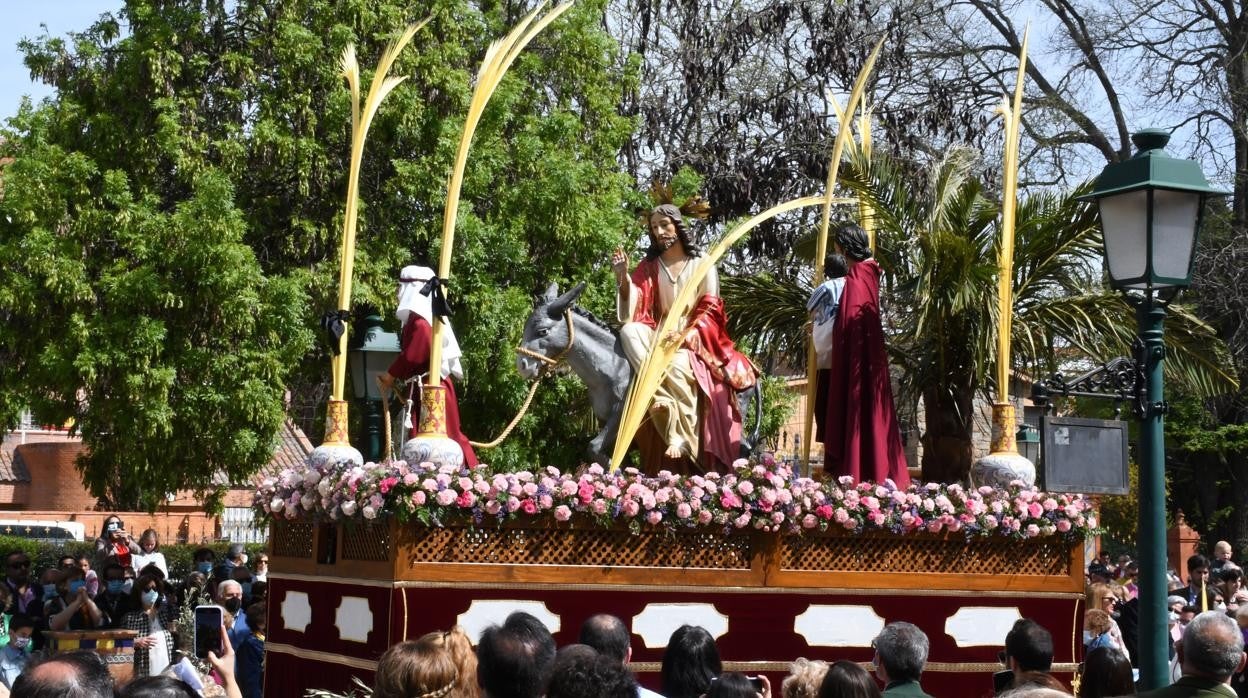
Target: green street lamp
[[1151, 210], [371, 353]]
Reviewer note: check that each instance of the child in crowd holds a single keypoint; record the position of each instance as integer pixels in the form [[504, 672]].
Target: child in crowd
[[14, 656]]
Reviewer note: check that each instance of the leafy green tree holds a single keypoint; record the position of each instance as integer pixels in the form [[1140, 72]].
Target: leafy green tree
[[195, 139], [937, 242]]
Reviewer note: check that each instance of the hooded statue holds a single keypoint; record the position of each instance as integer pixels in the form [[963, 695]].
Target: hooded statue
[[415, 311]]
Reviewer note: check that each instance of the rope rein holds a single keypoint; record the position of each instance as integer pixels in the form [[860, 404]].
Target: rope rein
[[550, 363]]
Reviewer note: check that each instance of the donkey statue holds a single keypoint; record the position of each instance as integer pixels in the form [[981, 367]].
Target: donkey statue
[[560, 332]]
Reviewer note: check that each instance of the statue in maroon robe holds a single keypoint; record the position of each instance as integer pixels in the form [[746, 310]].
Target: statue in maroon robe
[[860, 435], [416, 312]]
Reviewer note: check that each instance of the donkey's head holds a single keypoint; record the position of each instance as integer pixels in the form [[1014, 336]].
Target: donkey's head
[[546, 331]]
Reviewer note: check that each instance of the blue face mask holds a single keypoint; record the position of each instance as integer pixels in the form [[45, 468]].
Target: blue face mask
[[20, 642], [205, 567], [49, 591], [76, 586], [150, 598], [116, 586]]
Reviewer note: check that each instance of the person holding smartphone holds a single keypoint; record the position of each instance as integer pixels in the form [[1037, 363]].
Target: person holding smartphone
[[151, 618], [114, 541]]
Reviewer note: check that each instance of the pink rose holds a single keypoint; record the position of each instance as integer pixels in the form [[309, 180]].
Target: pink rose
[[568, 488], [446, 497], [513, 504], [418, 498], [742, 521], [529, 489], [1033, 530], [728, 500], [481, 487], [529, 506], [683, 510], [809, 521], [841, 516], [824, 511], [410, 479], [492, 507], [745, 487], [1063, 525], [599, 506], [704, 516], [562, 513], [429, 484], [466, 500], [630, 507], [585, 492], [654, 517], [1035, 509]]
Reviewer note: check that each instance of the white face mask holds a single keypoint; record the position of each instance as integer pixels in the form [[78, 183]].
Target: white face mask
[[1088, 637]]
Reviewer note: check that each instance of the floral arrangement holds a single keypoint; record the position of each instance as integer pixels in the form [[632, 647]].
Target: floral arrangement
[[765, 496]]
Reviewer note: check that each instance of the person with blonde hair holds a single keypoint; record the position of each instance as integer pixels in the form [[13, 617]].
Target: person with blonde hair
[[417, 669], [456, 642], [804, 678]]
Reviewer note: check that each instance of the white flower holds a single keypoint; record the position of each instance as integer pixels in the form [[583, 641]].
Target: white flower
[[348, 507], [277, 504], [370, 513]]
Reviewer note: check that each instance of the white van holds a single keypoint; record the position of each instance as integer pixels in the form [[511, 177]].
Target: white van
[[45, 531]]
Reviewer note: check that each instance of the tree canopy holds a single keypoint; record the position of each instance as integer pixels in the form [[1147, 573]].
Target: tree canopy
[[172, 217]]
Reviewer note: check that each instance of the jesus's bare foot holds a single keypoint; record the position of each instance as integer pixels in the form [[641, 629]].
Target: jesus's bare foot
[[674, 452]]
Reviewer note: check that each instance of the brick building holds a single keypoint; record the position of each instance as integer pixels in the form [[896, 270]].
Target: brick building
[[39, 481]]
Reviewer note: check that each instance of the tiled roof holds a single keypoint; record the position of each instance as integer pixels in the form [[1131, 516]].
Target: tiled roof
[[12, 467], [292, 451]]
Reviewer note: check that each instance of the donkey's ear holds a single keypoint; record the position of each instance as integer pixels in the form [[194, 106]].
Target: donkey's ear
[[560, 304], [552, 292]]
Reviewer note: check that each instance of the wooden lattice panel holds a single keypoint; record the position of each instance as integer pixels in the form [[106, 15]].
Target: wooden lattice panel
[[292, 539], [370, 543], [916, 554], [592, 547]]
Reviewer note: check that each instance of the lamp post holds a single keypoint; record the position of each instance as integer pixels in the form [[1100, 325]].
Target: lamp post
[[371, 354], [1151, 208]]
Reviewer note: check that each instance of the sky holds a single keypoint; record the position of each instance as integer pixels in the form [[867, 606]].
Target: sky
[[21, 20]]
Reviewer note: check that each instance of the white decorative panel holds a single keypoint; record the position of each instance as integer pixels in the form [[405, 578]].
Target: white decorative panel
[[978, 626], [354, 619], [838, 626], [656, 623], [482, 614], [296, 611]]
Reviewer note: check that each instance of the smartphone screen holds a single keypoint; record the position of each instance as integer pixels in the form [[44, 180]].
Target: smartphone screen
[[208, 620], [756, 682], [1002, 680]]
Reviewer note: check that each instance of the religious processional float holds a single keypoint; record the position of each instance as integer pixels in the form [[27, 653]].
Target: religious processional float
[[774, 565]]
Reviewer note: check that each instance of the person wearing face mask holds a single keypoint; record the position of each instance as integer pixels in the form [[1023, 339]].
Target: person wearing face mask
[[151, 618], [230, 597], [16, 653], [149, 552], [114, 600], [72, 608]]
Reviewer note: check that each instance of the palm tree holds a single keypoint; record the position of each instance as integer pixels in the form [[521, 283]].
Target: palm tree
[[937, 237]]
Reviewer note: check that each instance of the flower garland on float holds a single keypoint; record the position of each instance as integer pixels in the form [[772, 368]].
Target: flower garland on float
[[765, 496]]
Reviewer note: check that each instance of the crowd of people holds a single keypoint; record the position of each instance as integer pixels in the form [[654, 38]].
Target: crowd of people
[[126, 585], [1214, 591]]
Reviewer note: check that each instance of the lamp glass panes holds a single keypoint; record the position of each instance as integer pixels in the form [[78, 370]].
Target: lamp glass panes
[[371, 356], [1151, 208]]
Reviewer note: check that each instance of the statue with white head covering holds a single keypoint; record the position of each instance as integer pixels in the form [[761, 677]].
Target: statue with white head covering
[[417, 291]]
